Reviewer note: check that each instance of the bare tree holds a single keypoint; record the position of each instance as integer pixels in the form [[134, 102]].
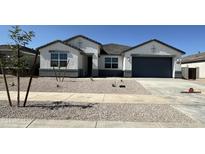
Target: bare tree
[[20, 38], [60, 76]]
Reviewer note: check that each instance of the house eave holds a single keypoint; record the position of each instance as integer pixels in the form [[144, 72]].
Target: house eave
[[139, 45], [196, 61], [82, 36], [59, 41]]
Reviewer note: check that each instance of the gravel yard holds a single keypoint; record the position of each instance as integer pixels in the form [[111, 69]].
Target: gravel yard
[[199, 81], [87, 111], [79, 85]]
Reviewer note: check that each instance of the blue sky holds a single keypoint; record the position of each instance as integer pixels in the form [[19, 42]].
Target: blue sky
[[190, 39]]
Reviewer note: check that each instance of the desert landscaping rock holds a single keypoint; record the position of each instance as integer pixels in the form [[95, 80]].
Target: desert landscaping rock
[[96, 112], [78, 85]]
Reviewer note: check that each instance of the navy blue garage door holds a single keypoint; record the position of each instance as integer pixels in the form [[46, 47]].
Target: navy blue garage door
[[152, 67]]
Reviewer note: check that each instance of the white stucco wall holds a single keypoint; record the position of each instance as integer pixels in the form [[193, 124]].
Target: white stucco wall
[[102, 62], [73, 56], [80, 61], [146, 50], [88, 47], [85, 63], [201, 66]]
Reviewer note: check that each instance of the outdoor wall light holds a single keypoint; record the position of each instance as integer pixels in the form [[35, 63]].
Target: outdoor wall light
[[179, 60], [128, 58]]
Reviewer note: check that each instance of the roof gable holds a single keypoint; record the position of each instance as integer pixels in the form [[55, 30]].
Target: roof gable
[[155, 40], [59, 41], [50, 43], [84, 37]]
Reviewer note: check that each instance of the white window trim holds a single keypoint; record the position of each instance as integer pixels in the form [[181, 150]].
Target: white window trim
[[58, 60], [112, 63]]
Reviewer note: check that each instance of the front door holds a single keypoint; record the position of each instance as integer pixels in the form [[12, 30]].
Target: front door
[[90, 65], [192, 73]]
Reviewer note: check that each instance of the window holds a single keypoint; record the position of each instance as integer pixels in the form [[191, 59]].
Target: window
[[59, 59], [63, 60], [114, 62], [108, 63], [111, 62], [54, 59]]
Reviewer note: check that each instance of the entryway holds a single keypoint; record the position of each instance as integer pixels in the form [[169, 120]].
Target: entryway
[[89, 66], [192, 73]]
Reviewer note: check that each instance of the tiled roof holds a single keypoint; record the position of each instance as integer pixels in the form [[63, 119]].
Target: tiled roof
[[24, 49], [194, 58], [113, 49]]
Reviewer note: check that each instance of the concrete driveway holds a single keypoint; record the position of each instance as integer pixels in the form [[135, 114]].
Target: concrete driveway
[[193, 105]]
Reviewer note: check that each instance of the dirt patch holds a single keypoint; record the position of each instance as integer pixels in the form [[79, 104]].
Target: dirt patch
[[78, 85], [200, 81]]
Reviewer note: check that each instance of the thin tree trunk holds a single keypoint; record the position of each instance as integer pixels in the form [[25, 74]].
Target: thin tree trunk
[[6, 85], [64, 71], [55, 74], [59, 73], [31, 77], [18, 77]]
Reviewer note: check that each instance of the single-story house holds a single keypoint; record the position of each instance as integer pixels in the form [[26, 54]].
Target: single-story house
[[7, 52], [81, 56], [193, 66]]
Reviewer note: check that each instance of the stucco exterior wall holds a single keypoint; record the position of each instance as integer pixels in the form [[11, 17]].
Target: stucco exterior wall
[[102, 62], [88, 47], [201, 66], [73, 56], [85, 64], [185, 72], [146, 50], [80, 61]]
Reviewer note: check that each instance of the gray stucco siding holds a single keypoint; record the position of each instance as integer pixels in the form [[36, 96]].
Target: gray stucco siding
[[127, 73], [66, 73], [95, 72], [110, 73], [178, 74]]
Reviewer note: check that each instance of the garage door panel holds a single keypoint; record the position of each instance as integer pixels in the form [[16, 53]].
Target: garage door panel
[[152, 67]]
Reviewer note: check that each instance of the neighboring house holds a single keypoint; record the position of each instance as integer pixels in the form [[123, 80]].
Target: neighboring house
[[6, 51], [88, 57], [193, 66]]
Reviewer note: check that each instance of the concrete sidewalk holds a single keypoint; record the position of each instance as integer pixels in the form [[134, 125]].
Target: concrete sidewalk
[[37, 123], [87, 97]]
